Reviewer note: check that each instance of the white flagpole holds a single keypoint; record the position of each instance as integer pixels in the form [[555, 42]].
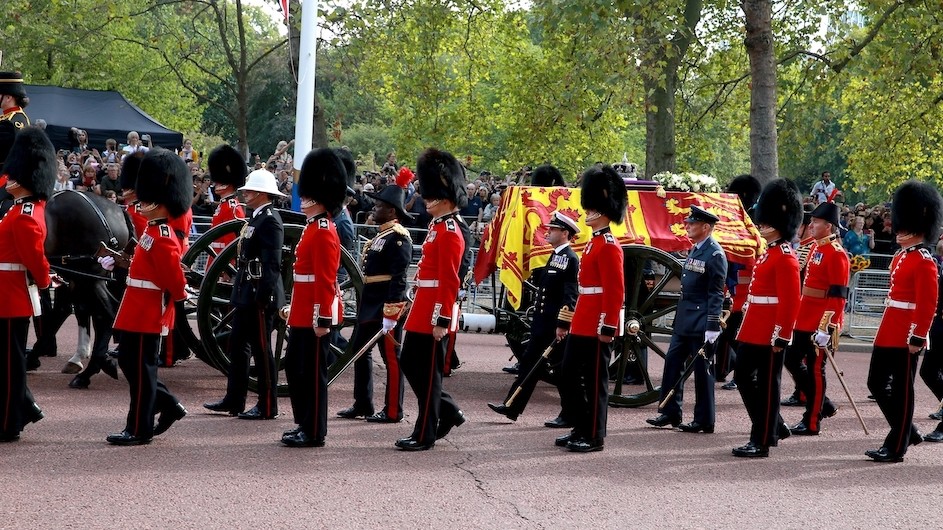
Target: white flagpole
[[304, 110]]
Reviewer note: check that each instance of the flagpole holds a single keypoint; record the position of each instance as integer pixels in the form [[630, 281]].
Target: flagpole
[[304, 109]]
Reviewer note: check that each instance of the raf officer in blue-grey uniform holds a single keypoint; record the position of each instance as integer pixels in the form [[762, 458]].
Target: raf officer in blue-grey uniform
[[697, 323]]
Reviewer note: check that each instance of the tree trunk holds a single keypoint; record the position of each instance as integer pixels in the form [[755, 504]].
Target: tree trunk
[[764, 161]]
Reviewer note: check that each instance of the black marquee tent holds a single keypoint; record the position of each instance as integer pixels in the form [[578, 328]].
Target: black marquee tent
[[102, 114]]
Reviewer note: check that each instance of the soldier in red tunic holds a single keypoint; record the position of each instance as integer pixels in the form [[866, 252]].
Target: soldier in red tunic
[[228, 172], [911, 303], [155, 282], [769, 317], [824, 288], [30, 172], [316, 304], [597, 318], [434, 311]]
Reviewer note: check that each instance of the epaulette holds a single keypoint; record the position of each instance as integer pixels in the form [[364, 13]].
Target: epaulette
[[233, 203], [323, 223], [27, 209], [926, 253], [786, 248], [609, 237], [450, 224], [837, 246], [165, 231], [401, 230]]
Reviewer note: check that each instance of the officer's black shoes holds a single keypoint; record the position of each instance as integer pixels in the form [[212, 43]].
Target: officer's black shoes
[[399, 443], [410, 444], [79, 382], [915, 436], [801, 429], [446, 425], [792, 401], [784, 431], [585, 446], [290, 432], [224, 406], [663, 420], [513, 369], [938, 415], [126, 438], [557, 423], [751, 450], [561, 441], [34, 413], [301, 439], [504, 411], [730, 385], [168, 418], [935, 436], [383, 417], [110, 368], [255, 414], [32, 363], [353, 413], [828, 412], [883, 455], [8, 437], [695, 427]]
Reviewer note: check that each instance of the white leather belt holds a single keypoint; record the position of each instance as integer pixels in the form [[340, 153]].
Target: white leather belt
[[12, 267], [143, 284], [899, 305], [427, 283], [762, 299], [304, 278], [590, 290]]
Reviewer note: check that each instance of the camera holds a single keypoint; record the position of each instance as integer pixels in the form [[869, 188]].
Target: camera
[[145, 138]]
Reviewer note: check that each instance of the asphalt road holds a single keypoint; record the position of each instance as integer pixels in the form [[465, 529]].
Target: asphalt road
[[212, 471]]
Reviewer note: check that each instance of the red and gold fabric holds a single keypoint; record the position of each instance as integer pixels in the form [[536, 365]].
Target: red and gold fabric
[[515, 244], [316, 297], [155, 270], [825, 286], [227, 210], [22, 233]]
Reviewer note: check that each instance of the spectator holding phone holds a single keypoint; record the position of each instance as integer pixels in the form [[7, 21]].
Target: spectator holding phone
[[859, 241], [134, 143]]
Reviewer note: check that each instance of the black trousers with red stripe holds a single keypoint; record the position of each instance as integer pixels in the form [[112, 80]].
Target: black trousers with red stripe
[[252, 336], [16, 401], [725, 354], [541, 337], [363, 369], [137, 357], [758, 375], [891, 382], [422, 361], [584, 386], [306, 372]]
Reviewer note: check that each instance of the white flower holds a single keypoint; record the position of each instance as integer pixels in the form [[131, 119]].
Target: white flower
[[695, 182]]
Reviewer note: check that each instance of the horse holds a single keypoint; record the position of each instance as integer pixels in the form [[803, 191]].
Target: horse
[[77, 225]]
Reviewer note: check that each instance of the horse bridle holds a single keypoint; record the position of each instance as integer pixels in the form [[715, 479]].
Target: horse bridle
[[112, 240]]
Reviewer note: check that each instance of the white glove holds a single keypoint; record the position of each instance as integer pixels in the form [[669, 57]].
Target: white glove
[[711, 336], [388, 324], [107, 263], [821, 339]]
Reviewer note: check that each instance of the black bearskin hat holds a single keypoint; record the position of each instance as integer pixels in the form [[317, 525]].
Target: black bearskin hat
[[130, 167], [604, 191], [32, 162], [11, 84], [545, 176], [163, 178], [227, 166], [917, 209], [441, 177], [323, 178], [350, 165], [780, 206], [747, 188]]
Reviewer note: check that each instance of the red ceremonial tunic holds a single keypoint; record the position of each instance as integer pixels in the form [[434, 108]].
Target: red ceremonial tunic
[[181, 226], [155, 270], [773, 301], [827, 269], [137, 219], [22, 233], [744, 276], [316, 297], [228, 209], [437, 280], [602, 288], [911, 301]]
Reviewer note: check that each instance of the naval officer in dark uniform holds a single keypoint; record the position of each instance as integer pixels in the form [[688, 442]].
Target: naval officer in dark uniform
[[697, 321], [557, 289]]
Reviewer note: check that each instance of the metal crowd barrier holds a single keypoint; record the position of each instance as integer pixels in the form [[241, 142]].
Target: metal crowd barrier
[[865, 306]]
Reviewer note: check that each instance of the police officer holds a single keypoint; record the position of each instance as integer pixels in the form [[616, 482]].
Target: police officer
[[31, 172], [911, 303], [316, 304], [769, 317], [257, 294], [824, 288], [154, 278], [596, 319], [557, 289], [386, 258], [228, 173], [697, 321], [434, 311]]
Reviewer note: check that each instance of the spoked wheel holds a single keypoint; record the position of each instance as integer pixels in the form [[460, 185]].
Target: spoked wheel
[[646, 307]]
